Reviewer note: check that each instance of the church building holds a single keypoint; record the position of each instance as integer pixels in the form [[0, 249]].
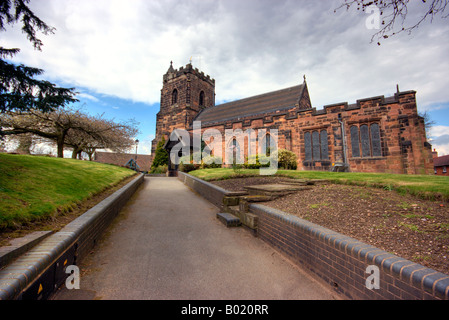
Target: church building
[[377, 134]]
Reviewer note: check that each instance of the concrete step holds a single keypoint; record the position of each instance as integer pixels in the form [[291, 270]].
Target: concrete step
[[298, 182], [275, 190], [228, 219], [305, 182], [257, 198]]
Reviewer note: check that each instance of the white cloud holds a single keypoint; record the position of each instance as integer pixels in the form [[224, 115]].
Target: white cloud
[[437, 131], [145, 144], [87, 96], [439, 138], [249, 47]]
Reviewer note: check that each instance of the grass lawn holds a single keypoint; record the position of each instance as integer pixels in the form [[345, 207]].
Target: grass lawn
[[424, 186], [34, 187]]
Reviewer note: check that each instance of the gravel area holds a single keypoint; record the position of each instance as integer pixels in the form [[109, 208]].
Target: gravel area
[[414, 229]]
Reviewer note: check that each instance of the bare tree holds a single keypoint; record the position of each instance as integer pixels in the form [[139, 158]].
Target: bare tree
[[428, 121], [394, 14], [72, 128], [24, 143], [100, 133], [51, 125]]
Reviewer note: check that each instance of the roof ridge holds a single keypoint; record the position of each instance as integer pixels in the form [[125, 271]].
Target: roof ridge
[[257, 104], [266, 94]]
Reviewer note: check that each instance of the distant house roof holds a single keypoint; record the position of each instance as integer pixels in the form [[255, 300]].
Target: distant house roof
[[121, 159], [268, 102], [441, 161]]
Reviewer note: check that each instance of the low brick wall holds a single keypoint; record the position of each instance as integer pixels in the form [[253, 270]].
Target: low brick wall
[[342, 262], [338, 260], [207, 190], [37, 273]]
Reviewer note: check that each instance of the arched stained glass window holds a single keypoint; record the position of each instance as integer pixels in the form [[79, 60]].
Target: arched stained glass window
[[266, 144], [367, 140], [355, 141], [316, 145], [375, 140], [308, 146], [324, 146]]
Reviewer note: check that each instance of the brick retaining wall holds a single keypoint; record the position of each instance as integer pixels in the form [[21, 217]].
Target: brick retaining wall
[[342, 261], [207, 190], [339, 260], [37, 273]]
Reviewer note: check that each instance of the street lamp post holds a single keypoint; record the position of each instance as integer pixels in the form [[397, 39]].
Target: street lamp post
[[137, 143]]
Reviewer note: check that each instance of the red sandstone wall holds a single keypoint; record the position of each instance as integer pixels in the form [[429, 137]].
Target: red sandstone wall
[[402, 137], [402, 133]]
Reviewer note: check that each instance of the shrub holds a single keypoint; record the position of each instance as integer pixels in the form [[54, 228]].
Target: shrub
[[211, 162], [161, 155], [160, 169], [254, 161], [237, 168], [186, 163], [286, 159], [187, 167]]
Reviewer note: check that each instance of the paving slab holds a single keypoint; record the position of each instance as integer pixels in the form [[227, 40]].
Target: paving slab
[[167, 244]]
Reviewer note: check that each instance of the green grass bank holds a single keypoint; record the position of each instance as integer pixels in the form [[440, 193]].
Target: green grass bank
[[33, 188], [423, 186]]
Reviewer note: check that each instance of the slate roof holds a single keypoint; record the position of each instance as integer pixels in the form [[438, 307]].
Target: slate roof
[[267, 102], [441, 161]]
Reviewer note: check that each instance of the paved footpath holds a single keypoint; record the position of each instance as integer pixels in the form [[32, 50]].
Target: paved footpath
[[168, 244]]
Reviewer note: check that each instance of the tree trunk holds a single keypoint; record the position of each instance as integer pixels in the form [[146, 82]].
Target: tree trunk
[[60, 146], [60, 142], [90, 152], [76, 151]]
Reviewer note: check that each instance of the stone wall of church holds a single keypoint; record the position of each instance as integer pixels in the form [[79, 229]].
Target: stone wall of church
[[376, 134], [379, 135]]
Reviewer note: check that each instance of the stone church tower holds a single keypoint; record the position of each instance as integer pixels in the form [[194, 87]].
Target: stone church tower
[[185, 92]]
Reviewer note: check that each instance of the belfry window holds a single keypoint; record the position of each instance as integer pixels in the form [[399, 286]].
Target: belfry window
[[201, 98], [174, 97]]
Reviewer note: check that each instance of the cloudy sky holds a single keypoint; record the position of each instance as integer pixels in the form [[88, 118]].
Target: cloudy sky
[[116, 52]]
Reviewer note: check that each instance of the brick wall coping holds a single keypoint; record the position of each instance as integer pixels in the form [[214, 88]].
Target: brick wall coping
[[24, 271]]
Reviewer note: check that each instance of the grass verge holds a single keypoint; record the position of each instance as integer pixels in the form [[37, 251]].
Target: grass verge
[[34, 188], [423, 186]]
